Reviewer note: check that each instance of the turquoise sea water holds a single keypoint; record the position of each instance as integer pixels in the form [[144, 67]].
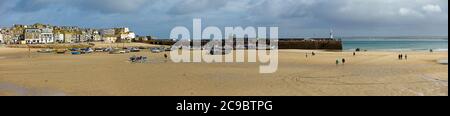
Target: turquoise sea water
[[396, 44]]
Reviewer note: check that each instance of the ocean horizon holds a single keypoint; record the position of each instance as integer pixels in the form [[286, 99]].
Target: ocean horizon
[[395, 44]]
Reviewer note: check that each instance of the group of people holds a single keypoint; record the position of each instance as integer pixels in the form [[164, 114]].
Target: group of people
[[341, 61], [401, 57], [143, 59], [313, 54], [139, 59]]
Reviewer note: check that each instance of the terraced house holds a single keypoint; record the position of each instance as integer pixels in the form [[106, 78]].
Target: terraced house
[[1, 38], [32, 36], [39, 36], [48, 34]]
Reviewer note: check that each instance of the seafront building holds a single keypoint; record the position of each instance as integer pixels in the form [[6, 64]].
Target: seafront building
[[48, 34], [1, 38], [32, 36]]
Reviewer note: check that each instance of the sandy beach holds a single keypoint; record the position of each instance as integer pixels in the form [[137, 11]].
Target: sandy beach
[[367, 73]]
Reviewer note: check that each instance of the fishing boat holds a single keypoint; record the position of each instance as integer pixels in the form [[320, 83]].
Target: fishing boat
[[75, 53], [46, 51], [155, 50], [117, 51], [61, 51]]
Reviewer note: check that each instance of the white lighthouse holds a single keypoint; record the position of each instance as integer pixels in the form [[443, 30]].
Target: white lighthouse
[[331, 34]]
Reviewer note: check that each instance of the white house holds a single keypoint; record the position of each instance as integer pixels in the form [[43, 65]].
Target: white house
[[107, 32], [47, 36], [131, 35], [1, 39], [96, 36], [59, 37], [109, 39], [32, 36]]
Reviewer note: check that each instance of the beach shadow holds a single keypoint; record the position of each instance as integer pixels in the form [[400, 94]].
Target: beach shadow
[[15, 90]]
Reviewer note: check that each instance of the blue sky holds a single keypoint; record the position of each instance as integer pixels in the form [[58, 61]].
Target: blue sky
[[295, 18]]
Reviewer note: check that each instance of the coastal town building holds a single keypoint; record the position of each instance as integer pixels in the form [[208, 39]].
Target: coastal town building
[[3, 35], [107, 32], [32, 35], [9, 37], [58, 37], [72, 37], [124, 34], [109, 39], [47, 34], [96, 36], [1, 38], [17, 34], [39, 36]]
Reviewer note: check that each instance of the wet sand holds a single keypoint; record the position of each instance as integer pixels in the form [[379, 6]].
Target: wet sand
[[368, 73]]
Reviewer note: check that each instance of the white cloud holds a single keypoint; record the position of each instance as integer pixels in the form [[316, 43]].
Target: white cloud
[[432, 8], [409, 12]]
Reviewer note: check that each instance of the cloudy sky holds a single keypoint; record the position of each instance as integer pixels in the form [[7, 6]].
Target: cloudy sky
[[295, 18]]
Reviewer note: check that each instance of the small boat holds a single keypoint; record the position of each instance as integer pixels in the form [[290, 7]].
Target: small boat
[[87, 51], [155, 50], [220, 51], [61, 51], [45, 51], [443, 61], [75, 53], [99, 50], [74, 49], [141, 47], [117, 51], [168, 49], [134, 50]]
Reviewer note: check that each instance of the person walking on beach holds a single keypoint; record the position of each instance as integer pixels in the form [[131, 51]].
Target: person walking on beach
[[29, 52], [337, 62], [166, 57], [306, 55], [406, 56], [343, 60], [354, 53]]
